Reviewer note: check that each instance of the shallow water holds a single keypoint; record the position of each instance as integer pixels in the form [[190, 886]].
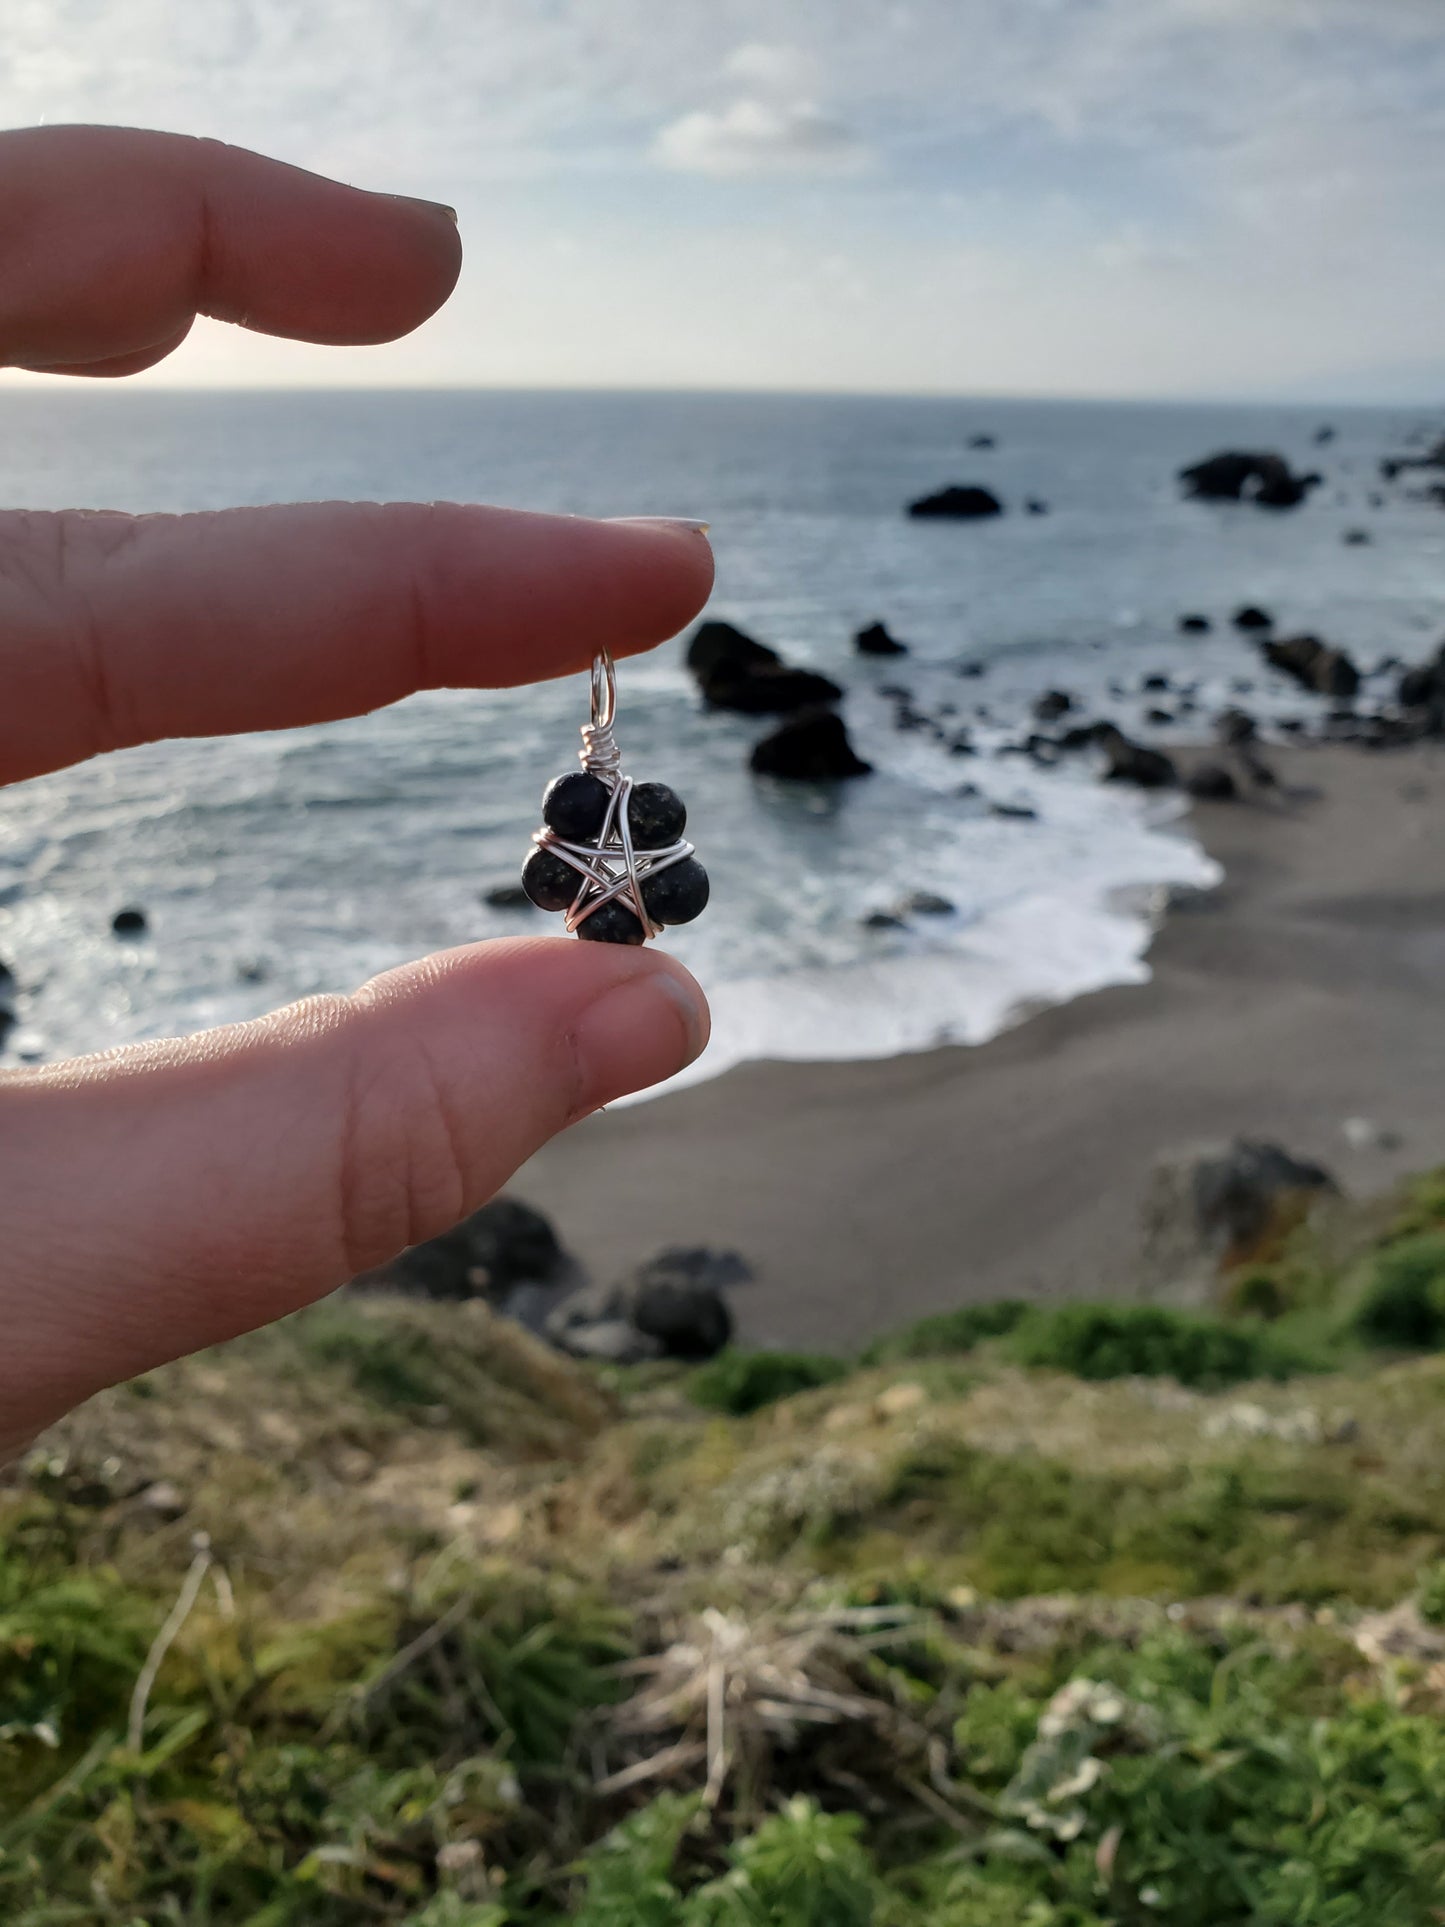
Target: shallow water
[[282, 864]]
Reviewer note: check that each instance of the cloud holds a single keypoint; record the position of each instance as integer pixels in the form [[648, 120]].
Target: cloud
[[753, 135]]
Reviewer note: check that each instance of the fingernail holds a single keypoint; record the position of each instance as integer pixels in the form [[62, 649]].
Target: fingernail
[[435, 207], [664, 522], [642, 1031]]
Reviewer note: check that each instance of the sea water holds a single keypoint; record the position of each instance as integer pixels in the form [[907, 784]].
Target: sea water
[[273, 866]]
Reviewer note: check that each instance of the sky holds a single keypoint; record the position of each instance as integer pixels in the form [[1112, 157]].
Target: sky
[[1066, 197]]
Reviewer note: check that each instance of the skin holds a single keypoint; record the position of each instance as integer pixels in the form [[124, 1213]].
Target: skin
[[156, 1199]]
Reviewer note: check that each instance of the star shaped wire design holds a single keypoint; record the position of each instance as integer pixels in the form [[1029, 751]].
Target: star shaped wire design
[[612, 868]]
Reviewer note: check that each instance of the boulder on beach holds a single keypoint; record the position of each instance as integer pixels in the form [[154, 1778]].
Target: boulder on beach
[[503, 1245], [1130, 762], [670, 1307], [960, 500], [735, 672], [1253, 617], [1212, 783], [1218, 1207], [876, 641], [813, 748], [1314, 665], [1237, 476], [1422, 690]]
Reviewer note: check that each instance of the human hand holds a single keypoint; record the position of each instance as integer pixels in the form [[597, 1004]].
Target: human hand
[[156, 1199]]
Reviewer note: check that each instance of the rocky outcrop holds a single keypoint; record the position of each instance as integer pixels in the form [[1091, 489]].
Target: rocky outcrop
[[488, 1255], [671, 1307], [1130, 762], [735, 672], [960, 500], [1314, 665], [1236, 476], [1221, 1206], [876, 641], [813, 748]]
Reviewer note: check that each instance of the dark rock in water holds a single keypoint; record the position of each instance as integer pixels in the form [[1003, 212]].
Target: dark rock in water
[[1079, 736], [961, 746], [1291, 725], [1324, 435], [882, 920], [1264, 479], [512, 896], [1129, 762], [1250, 617], [129, 923], [1160, 718], [1155, 684], [1195, 625], [1053, 704], [734, 672], [982, 441], [971, 669], [1245, 1192], [1014, 812], [1034, 506], [1356, 538], [960, 500], [1212, 783], [926, 903], [1236, 726], [810, 749], [487, 1255], [1314, 665], [876, 641]]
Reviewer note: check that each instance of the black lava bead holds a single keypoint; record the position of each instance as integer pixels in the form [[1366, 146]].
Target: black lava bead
[[656, 816], [575, 806], [677, 894], [549, 882], [613, 923]]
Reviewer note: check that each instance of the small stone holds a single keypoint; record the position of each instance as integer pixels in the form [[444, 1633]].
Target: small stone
[[613, 922], [129, 923], [677, 894], [575, 806], [1251, 617], [549, 881], [925, 903], [656, 815], [883, 920]]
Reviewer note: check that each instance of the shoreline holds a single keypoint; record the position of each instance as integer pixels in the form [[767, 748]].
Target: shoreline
[[1303, 991]]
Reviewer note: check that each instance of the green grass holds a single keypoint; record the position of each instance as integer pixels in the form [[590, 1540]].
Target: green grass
[[1124, 1690], [743, 1382], [1120, 1341]]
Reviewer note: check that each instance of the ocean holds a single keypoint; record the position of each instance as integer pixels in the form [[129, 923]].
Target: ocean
[[274, 866]]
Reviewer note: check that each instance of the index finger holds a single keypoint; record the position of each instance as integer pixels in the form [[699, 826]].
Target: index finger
[[112, 241]]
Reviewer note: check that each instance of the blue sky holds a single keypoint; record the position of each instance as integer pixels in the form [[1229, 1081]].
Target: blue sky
[[1192, 197]]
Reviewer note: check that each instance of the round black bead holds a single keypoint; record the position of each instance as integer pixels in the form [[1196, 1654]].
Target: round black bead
[[656, 816], [612, 923], [549, 882], [677, 894], [575, 805]]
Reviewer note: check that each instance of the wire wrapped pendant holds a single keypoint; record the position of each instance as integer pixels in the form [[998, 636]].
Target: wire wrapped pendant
[[611, 853]]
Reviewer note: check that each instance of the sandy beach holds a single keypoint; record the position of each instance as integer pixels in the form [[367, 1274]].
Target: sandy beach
[[1308, 990]]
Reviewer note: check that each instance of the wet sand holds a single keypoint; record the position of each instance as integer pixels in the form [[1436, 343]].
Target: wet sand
[[1309, 989]]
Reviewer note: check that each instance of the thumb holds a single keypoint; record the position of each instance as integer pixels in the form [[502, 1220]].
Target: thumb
[[157, 1199]]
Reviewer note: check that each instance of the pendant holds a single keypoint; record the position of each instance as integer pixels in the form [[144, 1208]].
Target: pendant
[[611, 854]]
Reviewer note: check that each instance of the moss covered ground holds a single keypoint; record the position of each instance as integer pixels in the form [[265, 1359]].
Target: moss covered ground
[[1060, 1617]]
